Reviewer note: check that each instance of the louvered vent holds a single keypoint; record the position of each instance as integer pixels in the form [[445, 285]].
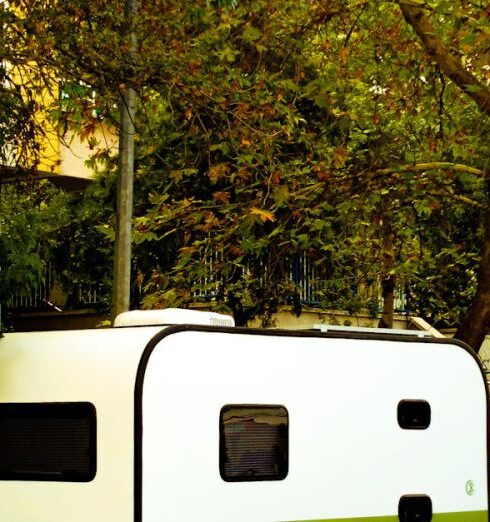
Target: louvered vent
[[221, 321], [254, 443], [48, 441]]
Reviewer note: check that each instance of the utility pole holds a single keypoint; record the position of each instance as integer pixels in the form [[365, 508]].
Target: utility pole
[[124, 215]]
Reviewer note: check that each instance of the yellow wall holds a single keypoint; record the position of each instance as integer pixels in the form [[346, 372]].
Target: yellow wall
[[65, 155], [73, 153], [50, 144]]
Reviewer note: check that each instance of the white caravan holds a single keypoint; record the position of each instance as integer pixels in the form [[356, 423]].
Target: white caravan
[[221, 424]]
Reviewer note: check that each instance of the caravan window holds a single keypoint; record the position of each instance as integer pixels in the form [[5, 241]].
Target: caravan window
[[253, 443], [48, 441], [414, 414]]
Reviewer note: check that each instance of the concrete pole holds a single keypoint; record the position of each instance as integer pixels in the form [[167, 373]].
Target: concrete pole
[[122, 254]]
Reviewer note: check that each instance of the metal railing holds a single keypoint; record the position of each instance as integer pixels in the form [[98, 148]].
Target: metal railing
[[300, 272], [45, 295]]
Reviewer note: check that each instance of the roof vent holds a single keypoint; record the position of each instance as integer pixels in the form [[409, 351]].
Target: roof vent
[[170, 316]]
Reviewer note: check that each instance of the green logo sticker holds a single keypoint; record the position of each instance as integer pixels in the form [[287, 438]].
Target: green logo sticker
[[470, 488]]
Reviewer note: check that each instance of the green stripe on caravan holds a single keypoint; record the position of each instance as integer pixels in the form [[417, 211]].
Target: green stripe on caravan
[[464, 516]]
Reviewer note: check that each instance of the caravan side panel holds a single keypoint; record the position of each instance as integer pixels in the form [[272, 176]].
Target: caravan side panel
[[348, 457], [51, 372]]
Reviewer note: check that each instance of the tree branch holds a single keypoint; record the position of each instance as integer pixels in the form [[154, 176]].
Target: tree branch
[[415, 16], [435, 165]]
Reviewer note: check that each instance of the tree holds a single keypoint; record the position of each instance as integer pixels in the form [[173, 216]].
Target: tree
[[17, 125], [416, 14], [353, 123], [32, 220], [475, 324], [264, 130]]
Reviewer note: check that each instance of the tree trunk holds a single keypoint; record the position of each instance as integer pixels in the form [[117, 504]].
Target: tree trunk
[[387, 316], [475, 324], [388, 278]]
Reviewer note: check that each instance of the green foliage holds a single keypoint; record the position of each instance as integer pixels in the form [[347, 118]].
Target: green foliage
[[41, 225], [251, 163], [83, 253], [32, 217], [272, 132]]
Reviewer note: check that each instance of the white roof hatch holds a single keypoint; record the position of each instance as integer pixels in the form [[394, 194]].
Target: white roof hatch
[[170, 316]]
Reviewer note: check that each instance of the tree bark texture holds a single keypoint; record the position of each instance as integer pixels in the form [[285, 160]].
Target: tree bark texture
[[416, 16], [476, 322], [388, 280]]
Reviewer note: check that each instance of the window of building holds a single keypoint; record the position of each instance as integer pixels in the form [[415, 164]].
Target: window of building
[[48, 441], [253, 443]]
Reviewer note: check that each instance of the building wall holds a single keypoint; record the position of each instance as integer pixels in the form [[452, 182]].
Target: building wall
[[65, 155], [285, 318], [74, 153]]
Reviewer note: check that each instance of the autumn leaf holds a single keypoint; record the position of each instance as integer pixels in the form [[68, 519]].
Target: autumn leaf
[[187, 250], [339, 156], [177, 175], [222, 197], [276, 178], [281, 195], [343, 54], [140, 278], [263, 215], [324, 175], [216, 172], [243, 175], [236, 250]]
